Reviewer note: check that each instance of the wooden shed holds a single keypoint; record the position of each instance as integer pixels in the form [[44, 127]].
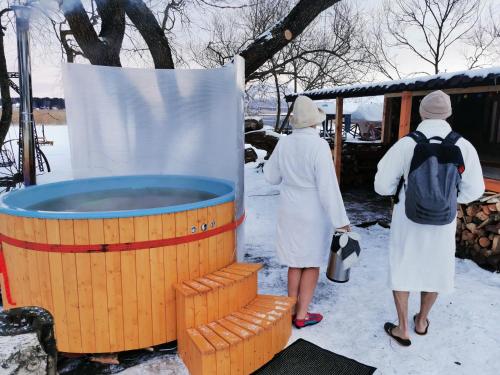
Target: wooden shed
[[475, 97]]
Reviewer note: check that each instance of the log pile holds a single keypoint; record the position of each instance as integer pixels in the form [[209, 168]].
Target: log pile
[[478, 231], [359, 163]]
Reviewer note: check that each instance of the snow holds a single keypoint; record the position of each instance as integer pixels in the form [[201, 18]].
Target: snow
[[360, 112], [479, 73], [464, 330], [268, 34]]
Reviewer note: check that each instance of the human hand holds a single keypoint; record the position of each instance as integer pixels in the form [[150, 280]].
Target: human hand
[[346, 228]]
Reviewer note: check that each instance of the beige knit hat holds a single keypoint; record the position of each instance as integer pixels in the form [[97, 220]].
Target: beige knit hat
[[306, 113], [436, 105]]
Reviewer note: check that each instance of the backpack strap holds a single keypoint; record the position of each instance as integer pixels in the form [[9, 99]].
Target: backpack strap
[[418, 137], [452, 138]]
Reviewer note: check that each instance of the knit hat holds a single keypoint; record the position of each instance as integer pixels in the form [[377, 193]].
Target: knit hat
[[436, 105], [306, 113]]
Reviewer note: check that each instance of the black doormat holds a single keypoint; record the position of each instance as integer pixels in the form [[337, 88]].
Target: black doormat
[[305, 358]]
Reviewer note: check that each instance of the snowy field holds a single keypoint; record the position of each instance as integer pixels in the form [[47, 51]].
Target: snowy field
[[464, 333]]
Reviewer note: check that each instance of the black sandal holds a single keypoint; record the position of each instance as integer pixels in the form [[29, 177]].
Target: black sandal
[[426, 328], [388, 327]]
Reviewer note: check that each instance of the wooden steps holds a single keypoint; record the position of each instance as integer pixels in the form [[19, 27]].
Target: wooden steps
[[213, 296], [242, 341], [225, 327]]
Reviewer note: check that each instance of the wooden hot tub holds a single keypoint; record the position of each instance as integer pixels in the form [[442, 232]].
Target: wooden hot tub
[[115, 291]]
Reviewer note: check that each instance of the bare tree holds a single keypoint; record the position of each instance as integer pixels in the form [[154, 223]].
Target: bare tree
[[4, 85], [327, 53], [440, 23], [484, 41]]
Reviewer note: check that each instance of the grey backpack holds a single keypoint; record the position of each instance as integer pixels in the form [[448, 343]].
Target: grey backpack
[[433, 181]]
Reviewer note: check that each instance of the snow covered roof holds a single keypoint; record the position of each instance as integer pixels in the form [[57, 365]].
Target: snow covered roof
[[462, 79], [360, 112]]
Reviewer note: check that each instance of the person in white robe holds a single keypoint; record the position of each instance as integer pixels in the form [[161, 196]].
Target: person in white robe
[[310, 207], [422, 257]]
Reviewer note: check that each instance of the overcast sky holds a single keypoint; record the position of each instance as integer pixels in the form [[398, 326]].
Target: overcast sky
[[47, 59]]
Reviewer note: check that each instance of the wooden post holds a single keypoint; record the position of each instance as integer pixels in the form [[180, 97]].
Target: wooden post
[[492, 185], [338, 136], [385, 137], [405, 115]]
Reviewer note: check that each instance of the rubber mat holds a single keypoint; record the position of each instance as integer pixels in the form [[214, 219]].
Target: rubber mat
[[305, 358]]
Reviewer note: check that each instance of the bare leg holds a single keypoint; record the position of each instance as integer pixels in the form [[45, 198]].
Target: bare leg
[[401, 301], [294, 275], [427, 300], [308, 283]]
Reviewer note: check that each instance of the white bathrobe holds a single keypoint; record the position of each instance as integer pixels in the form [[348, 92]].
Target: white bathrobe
[[311, 205], [422, 257]]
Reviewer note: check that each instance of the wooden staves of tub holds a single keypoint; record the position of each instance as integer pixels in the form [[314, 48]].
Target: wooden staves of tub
[[103, 255]]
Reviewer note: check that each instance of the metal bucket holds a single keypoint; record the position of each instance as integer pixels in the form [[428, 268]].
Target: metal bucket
[[335, 271]]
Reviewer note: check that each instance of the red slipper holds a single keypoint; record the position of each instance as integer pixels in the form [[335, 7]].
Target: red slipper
[[310, 320]]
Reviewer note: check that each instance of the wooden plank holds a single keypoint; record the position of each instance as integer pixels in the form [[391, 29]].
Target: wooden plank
[[492, 185], [193, 247], [84, 283], [129, 285], [67, 235], [170, 264], [143, 270], [248, 344], [386, 122], [205, 363], [212, 298], [225, 241], [57, 285], [158, 312], [225, 306], [185, 314], [338, 136], [258, 338], [405, 114], [212, 241], [11, 256], [181, 229], [21, 256], [230, 235], [35, 293], [223, 358], [235, 347], [99, 288], [200, 302], [203, 245], [114, 286], [43, 266], [467, 90]]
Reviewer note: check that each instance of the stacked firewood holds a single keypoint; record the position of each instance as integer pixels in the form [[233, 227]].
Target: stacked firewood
[[478, 231]]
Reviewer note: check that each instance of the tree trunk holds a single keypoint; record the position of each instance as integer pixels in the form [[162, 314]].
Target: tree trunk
[[279, 35], [105, 48], [278, 107], [152, 33], [6, 118]]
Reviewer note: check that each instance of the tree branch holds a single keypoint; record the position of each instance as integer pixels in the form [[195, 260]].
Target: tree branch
[[284, 31]]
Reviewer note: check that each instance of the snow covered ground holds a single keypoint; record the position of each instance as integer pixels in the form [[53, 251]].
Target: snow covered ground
[[464, 334]]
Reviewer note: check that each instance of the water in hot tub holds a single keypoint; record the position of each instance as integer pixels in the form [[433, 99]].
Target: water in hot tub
[[122, 200]]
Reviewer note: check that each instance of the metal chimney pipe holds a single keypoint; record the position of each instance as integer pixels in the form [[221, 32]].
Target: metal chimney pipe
[[26, 122]]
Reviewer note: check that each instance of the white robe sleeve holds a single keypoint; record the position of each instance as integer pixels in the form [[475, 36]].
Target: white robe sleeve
[[472, 185], [391, 168], [328, 187], [272, 171]]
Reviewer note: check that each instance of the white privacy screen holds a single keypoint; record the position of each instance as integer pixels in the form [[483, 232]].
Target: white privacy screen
[[125, 121]]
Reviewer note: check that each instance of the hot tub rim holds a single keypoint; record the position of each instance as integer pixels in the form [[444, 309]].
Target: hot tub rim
[[8, 209]]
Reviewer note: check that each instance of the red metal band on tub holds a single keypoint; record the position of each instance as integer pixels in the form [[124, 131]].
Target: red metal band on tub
[[5, 274], [102, 248]]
